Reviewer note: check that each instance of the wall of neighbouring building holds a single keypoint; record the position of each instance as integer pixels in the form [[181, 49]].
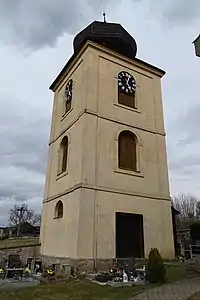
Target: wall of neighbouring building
[[24, 252]]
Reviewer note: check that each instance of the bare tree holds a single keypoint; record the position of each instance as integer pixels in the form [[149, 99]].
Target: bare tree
[[189, 208], [20, 214], [198, 210]]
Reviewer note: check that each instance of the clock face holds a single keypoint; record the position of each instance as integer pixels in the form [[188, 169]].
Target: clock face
[[68, 91], [126, 83]]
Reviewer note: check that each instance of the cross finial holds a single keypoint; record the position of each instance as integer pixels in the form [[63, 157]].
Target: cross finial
[[104, 16]]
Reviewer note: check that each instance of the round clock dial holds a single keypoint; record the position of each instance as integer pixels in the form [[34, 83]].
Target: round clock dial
[[126, 83], [68, 90]]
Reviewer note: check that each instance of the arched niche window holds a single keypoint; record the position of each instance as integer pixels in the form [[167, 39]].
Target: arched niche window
[[59, 209], [68, 96], [126, 89], [63, 154], [127, 151]]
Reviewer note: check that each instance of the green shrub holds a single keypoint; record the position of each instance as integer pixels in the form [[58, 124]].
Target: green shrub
[[155, 267]]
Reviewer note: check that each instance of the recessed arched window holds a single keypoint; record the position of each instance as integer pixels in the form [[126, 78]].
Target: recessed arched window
[[127, 151], [59, 209], [63, 153], [126, 89]]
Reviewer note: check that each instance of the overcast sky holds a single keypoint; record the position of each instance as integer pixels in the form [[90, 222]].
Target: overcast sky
[[36, 41]]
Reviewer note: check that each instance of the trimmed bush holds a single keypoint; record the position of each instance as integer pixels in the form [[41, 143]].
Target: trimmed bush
[[155, 267]]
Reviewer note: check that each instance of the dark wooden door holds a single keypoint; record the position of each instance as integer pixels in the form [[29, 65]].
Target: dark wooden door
[[129, 235]]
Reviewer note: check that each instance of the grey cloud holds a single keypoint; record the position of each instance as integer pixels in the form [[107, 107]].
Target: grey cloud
[[181, 11], [22, 189], [23, 152], [186, 126], [183, 147], [27, 146], [186, 163], [35, 24]]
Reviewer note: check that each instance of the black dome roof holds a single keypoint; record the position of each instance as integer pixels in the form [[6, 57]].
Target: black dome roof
[[110, 35]]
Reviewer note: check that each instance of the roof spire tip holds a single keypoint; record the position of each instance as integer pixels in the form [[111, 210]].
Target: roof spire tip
[[104, 16]]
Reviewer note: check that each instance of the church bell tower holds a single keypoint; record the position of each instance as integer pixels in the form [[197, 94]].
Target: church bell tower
[[107, 191]]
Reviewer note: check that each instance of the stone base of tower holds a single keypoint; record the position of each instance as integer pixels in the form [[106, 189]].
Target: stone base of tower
[[100, 225], [84, 265], [80, 265]]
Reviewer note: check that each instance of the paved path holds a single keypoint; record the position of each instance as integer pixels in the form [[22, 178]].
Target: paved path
[[13, 284], [180, 290]]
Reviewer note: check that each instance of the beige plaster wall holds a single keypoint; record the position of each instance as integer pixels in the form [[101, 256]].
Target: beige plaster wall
[[93, 188], [101, 134], [60, 236], [102, 81], [67, 124], [61, 121], [58, 184], [151, 178], [101, 231]]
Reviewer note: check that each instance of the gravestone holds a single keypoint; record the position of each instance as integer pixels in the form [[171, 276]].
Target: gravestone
[[66, 270], [38, 266], [14, 261]]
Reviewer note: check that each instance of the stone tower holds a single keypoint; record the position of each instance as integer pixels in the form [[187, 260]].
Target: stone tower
[[107, 191]]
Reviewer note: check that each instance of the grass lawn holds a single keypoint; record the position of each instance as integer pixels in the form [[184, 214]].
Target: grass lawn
[[177, 272], [84, 290], [195, 297], [76, 290], [18, 242]]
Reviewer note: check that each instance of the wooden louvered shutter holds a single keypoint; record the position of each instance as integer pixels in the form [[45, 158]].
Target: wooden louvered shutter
[[127, 151]]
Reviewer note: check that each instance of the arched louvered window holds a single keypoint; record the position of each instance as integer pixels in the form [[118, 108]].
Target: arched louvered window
[[59, 209], [127, 151], [63, 154]]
